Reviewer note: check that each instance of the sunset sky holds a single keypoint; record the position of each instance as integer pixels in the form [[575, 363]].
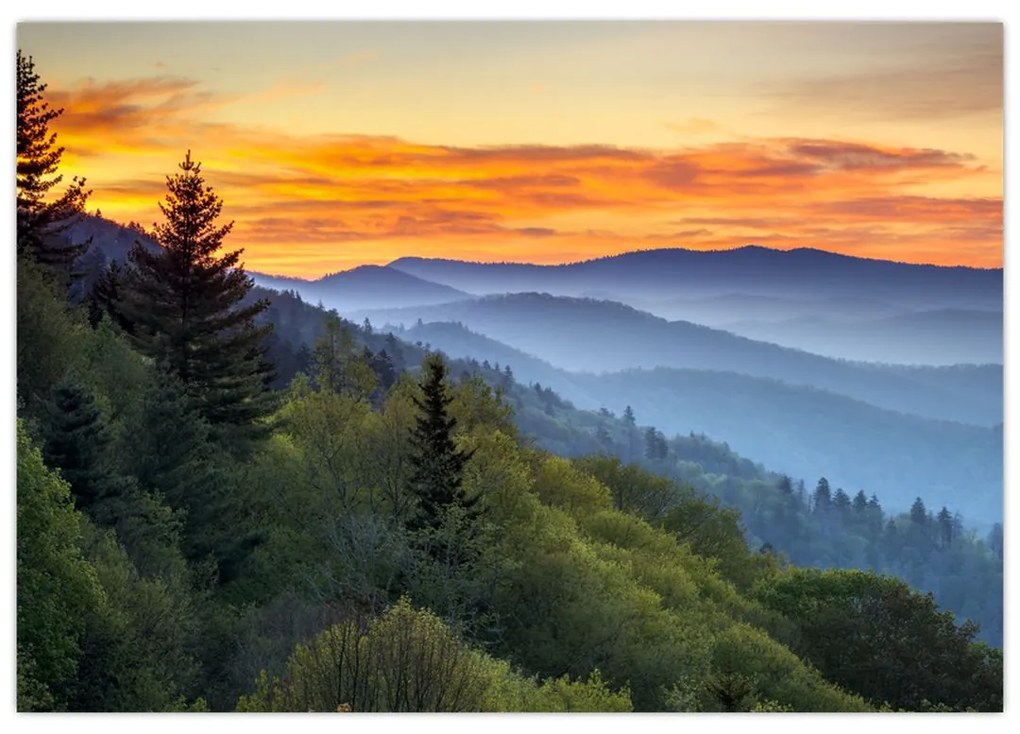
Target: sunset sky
[[339, 144]]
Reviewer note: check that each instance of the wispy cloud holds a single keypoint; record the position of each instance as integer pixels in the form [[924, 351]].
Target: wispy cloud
[[304, 204]]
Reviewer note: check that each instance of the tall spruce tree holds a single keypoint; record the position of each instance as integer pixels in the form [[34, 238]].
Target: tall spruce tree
[[42, 221], [182, 307], [438, 465]]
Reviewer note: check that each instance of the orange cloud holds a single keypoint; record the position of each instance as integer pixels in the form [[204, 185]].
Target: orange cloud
[[306, 205]]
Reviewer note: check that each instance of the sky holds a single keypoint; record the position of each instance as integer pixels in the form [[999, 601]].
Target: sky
[[337, 144]]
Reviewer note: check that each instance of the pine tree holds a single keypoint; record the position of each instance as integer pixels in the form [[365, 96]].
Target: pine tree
[[438, 465], [77, 443], [105, 296], [41, 223], [182, 307], [822, 497], [918, 513]]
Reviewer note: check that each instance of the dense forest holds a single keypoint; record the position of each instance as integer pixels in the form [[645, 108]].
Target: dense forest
[[232, 500]]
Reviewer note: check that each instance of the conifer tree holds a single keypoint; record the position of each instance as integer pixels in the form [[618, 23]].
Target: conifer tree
[[105, 295], [438, 465], [182, 307], [77, 443], [42, 221]]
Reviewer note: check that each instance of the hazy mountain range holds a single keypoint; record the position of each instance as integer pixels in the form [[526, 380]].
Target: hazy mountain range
[[583, 335], [642, 329], [801, 429], [665, 275]]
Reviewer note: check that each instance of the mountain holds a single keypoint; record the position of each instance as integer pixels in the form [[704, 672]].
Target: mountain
[[583, 335], [727, 308], [365, 287], [673, 273], [812, 433], [456, 340], [802, 430], [943, 337]]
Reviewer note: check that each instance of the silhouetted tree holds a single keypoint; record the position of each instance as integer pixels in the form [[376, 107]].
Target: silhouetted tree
[[438, 465], [41, 223], [182, 305]]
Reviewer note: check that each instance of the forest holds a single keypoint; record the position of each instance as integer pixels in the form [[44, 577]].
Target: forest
[[231, 500]]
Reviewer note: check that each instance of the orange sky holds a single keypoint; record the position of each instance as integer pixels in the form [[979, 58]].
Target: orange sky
[[335, 145]]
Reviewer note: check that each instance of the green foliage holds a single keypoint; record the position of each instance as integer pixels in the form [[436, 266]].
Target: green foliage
[[48, 340], [875, 636], [337, 365], [135, 655], [56, 585], [408, 660]]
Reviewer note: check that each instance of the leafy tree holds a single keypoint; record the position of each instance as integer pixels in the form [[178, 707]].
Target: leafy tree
[[338, 367], [408, 660], [874, 636], [181, 304], [56, 585], [438, 465], [48, 343], [40, 222]]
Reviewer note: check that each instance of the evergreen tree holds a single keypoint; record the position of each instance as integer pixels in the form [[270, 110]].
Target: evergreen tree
[[860, 502], [822, 496], [42, 222], [438, 465], [918, 513], [628, 416], [77, 443], [182, 307], [105, 295]]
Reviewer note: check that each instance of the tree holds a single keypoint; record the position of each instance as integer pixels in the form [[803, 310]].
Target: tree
[[56, 585], [822, 497], [874, 636], [41, 222], [77, 442], [918, 513], [182, 307], [105, 295], [338, 367], [438, 465]]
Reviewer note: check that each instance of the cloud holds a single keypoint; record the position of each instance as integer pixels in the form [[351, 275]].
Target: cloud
[[379, 197]]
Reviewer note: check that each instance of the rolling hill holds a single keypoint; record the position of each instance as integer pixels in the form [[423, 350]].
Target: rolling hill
[[584, 335]]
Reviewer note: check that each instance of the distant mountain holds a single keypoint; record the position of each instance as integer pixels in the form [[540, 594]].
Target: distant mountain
[[941, 337], [727, 308], [813, 433], [365, 287], [583, 335], [678, 273], [805, 431], [456, 340]]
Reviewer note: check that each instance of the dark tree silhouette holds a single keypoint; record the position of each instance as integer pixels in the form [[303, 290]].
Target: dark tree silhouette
[[438, 465], [182, 307], [43, 221]]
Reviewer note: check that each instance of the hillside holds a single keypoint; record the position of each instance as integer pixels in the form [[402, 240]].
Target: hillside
[[801, 430], [586, 335]]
